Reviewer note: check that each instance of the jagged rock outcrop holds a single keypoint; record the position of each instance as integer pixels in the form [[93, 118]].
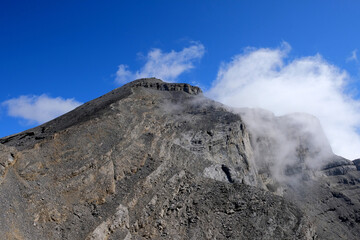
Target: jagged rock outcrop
[[155, 160], [295, 161]]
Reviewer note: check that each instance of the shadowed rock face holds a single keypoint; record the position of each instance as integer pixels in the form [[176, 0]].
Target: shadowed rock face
[[154, 160]]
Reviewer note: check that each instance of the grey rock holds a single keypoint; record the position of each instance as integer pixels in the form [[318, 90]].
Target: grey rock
[[156, 160], [357, 164]]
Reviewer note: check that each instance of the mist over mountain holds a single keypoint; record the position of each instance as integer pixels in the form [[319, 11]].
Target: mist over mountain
[[157, 160]]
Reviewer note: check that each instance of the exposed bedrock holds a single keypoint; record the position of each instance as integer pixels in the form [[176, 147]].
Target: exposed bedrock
[[155, 160]]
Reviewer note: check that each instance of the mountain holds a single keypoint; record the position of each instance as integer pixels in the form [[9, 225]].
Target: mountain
[[156, 160]]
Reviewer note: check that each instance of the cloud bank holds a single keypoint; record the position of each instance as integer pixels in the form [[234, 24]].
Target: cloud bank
[[39, 109], [266, 78], [164, 65]]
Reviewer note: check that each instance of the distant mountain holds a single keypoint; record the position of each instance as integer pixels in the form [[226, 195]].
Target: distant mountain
[[156, 160]]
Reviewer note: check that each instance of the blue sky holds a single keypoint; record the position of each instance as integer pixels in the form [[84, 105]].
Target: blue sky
[[55, 55]]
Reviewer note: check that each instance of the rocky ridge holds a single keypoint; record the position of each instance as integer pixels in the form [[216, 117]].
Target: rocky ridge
[[155, 160]]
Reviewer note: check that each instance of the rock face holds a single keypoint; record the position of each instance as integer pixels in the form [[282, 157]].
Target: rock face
[[154, 160]]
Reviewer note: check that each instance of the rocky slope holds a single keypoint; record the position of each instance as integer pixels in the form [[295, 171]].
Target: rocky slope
[[154, 160]]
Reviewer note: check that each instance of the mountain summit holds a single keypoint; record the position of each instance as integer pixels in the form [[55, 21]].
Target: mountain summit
[[156, 160]]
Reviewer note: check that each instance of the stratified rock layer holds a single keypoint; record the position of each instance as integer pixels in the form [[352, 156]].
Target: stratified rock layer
[[153, 160]]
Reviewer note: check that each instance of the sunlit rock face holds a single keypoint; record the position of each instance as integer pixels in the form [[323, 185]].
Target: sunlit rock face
[[156, 160]]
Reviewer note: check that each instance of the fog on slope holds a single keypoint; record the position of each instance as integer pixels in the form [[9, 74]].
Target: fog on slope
[[265, 78], [286, 146]]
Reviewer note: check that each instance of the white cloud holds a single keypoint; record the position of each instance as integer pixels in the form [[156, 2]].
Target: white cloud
[[353, 56], [265, 78], [39, 109], [166, 66]]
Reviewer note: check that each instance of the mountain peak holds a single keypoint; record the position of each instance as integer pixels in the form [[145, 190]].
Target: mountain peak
[[157, 160], [158, 84], [93, 109]]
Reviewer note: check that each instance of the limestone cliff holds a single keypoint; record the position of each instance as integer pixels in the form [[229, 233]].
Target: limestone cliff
[[155, 160]]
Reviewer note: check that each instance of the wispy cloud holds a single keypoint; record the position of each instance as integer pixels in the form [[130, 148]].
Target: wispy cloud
[[164, 65], [39, 109], [265, 78], [353, 56]]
